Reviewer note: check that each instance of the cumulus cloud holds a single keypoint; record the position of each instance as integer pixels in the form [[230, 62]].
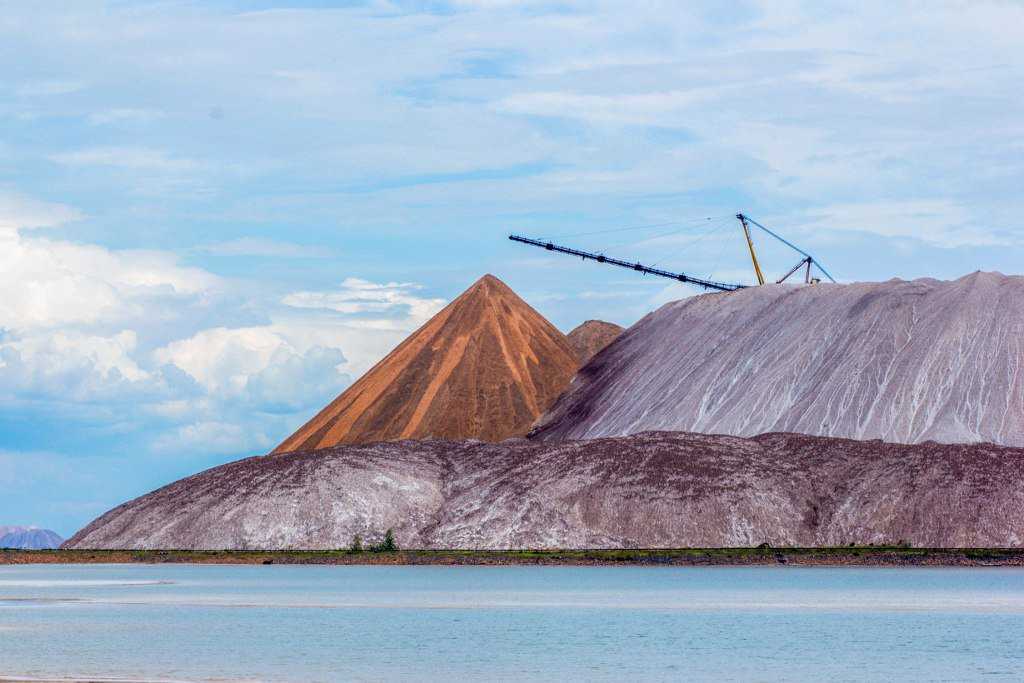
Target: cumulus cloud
[[297, 361], [123, 336], [18, 212], [71, 365], [51, 283], [257, 367], [84, 325], [222, 359], [69, 312]]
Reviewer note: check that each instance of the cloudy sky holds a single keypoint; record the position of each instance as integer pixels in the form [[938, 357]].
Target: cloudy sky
[[214, 215]]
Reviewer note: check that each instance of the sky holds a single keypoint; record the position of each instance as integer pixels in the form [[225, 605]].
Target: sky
[[215, 215]]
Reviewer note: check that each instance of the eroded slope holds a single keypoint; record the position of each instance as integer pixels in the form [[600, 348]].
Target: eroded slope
[[901, 361], [647, 490]]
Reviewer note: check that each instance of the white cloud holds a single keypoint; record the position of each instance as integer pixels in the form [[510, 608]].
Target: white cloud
[[132, 158], [70, 367], [497, 4], [308, 352], [116, 115], [941, 223], [668, 107], [50, 283], [256, 246], [306, 82], [364, 340], [48, 88], [83, 325], [223, 359], [393, 299], [299, 354], [230, 362], [20, 212], [211, 436], [73, 314], [69, 312]]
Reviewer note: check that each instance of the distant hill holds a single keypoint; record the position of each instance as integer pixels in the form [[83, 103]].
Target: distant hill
[[28, 537], [591, 337], [900, 361], [485, 367], [657, 489]]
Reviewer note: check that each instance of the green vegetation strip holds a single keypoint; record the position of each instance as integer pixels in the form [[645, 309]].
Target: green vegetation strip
[[846, 555]]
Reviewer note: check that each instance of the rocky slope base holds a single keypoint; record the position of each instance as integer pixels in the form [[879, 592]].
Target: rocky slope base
[[900, 361], [648, 490]]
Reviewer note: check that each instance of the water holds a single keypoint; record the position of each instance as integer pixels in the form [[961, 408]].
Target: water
[[316, 623]]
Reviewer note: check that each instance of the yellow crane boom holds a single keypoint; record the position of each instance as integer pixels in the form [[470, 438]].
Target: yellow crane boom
[[750, 245]]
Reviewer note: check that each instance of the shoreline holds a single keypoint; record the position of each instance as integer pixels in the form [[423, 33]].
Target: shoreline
[[864, 556], [93, 679]]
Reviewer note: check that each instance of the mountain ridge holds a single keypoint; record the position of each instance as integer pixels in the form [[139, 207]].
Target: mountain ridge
[[28, 538]]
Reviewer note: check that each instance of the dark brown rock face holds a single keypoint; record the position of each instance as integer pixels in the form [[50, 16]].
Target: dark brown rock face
[[485, 367], [657, 489], [900, 361], [592, 336]]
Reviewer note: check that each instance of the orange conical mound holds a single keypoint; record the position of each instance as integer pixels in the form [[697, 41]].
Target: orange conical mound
[[485, 367], [591, 337]]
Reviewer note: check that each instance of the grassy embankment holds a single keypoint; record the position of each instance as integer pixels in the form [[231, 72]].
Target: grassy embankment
[[847, 555]]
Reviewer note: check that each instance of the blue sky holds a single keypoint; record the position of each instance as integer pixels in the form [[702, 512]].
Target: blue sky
[[214, 215]]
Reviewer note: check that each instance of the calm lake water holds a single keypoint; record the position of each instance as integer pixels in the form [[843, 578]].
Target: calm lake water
[[280, 623]]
